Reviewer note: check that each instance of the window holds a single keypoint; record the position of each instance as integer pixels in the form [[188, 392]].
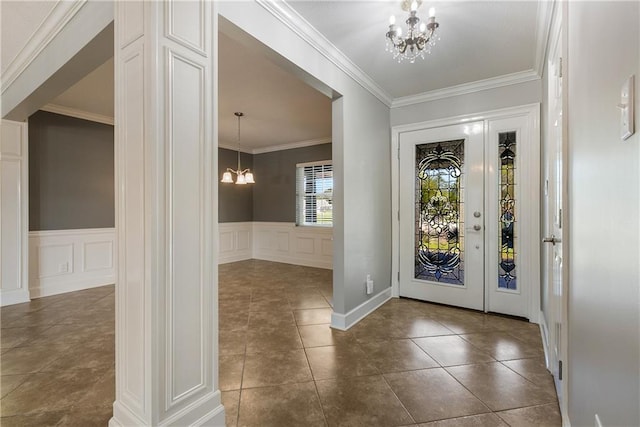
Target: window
[[314, 193]]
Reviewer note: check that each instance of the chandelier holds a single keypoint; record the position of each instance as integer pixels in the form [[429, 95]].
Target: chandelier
[[242, 176], [420, 37]]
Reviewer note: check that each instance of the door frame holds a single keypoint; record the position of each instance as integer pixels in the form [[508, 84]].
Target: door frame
[[532, 111]]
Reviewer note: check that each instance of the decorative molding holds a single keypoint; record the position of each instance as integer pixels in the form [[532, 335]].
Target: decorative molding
[[285, 242], [235, 242], [52, 24], [276, 241], [78, 114], [14, 247], [543, 29], [303, 29], [467, 88], [544, 333], [58, 260], [343, 322], [279, 147], [292, 145]]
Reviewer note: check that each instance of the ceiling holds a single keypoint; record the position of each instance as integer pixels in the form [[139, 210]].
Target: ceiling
[[479, 40]]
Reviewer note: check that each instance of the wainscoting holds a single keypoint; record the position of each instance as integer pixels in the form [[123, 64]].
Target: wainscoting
[[278, 242], [70, 260]]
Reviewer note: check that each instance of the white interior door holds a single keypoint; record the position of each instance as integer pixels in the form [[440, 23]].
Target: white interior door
[[554, 227], [442, 215]]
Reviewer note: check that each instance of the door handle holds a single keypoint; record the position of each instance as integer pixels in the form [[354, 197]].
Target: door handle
[[553, 240]]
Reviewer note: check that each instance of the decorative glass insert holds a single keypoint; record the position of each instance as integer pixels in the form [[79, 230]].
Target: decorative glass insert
[[439, 228], [507, 240]]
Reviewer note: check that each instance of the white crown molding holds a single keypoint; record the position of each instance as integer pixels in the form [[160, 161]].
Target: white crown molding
[[292, 145], [279, 147], [79, 114], [466, 88], [233, 147], [292, 19], [52, 24], [543, 29]]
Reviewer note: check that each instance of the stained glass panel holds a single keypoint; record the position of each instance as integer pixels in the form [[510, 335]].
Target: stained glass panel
[[507, 240], [439, 228]]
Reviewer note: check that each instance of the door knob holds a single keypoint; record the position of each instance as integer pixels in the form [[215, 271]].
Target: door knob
[[477, 227], [476, 214], [553, 240]]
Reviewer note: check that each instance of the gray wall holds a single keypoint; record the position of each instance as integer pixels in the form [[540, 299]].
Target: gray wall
[[235, 202], [71, 173], [604, 241], [274, 197]]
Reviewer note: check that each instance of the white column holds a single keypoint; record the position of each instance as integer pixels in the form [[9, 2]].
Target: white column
[[166, 290], [14, 215]]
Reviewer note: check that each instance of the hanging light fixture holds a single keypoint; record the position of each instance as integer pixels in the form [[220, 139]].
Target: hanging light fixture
[[420, 37], [242, 176]]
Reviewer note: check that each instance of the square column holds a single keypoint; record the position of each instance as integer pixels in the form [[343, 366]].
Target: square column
[[166, 290]]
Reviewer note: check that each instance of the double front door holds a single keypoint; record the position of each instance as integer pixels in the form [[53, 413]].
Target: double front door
[[468, 212]]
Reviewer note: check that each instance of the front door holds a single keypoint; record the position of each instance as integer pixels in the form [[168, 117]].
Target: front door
[[468, 213], [441, 215]]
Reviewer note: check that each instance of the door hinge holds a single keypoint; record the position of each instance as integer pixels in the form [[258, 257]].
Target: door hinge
[[560, 218], [398, 215], [560, 370], [560, 67], [398, 276], [398, 153]]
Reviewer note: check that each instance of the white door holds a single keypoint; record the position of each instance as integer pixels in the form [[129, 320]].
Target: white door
[[441, 215], [554, 183], [469, 214]]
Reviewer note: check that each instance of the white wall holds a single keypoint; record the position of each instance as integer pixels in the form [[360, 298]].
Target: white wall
[[485, 100], [70, 260], [604, 190], [361, 158]]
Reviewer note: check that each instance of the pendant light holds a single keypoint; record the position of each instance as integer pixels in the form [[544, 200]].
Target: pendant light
[[242, 176]]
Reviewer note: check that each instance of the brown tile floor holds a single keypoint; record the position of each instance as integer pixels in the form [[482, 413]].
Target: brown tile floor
[[409, 363]]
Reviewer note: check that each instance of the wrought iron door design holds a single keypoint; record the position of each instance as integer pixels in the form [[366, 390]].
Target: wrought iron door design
[[439, 218]]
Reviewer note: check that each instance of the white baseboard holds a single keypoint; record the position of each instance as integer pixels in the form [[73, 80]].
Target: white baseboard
[[70, 260], [346, 321], [277, 242], [544, 333], [13, 296]]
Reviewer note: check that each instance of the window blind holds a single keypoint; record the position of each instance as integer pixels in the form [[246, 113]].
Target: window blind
[[314, 193]]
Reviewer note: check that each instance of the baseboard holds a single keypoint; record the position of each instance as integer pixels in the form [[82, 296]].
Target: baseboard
[[13, 296], [71, 286], [194, 414], [345, 321], [544, 333]]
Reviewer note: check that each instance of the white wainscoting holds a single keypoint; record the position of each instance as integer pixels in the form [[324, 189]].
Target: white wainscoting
[[235, 243], [70, 260], [278, 242]]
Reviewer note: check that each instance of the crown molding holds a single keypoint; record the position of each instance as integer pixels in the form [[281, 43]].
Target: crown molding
[[302, 28], [279, 147], [543, 29], [79, 114], [48, 29], [466, 88], [235, 148], [292, 145]]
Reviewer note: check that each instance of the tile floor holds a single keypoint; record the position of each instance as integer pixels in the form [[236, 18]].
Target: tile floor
[[409, 363]]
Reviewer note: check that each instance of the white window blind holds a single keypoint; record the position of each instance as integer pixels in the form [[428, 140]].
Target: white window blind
[[314, 193]]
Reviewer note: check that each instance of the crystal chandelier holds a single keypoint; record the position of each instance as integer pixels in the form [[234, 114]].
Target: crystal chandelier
[[420, 37], [242, 176]]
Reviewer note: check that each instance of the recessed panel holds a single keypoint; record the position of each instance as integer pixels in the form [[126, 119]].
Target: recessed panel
[[11, 140], [11, 242], [305, 245], [226, 241], [55, 260], [327, 247], [98, 255], [243, 240], [282, 239]]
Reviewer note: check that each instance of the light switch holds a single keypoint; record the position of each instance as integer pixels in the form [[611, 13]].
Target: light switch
[[626, 108]]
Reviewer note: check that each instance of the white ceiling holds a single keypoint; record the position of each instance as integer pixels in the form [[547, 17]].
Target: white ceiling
[[479, 40]]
